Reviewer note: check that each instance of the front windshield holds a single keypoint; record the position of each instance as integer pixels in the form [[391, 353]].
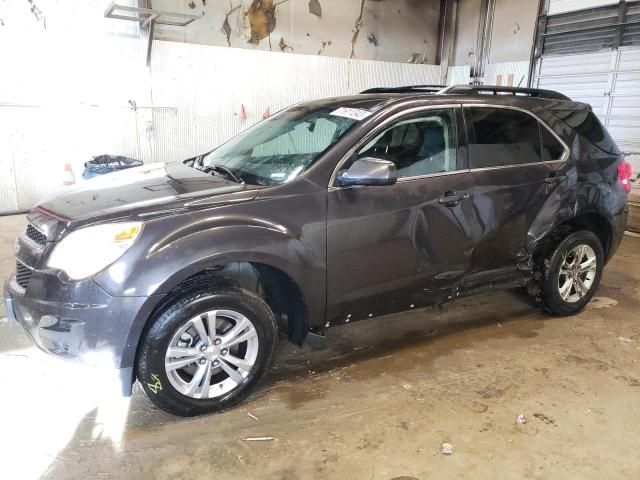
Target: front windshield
[[280, 148]]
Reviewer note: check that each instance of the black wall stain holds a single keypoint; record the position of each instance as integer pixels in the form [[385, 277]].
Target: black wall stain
[[226, 28], [356, 31], [284, 47], [315, 8], [326, 43]]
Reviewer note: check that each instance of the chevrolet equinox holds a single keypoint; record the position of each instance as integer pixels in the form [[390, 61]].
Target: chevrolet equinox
[[181, 275]]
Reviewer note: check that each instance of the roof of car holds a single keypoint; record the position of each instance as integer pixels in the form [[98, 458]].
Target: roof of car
[[470, 90], [375, 99], [371, 102]]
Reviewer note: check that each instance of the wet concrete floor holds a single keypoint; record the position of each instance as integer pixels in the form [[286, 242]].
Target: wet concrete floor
[[376, 400]]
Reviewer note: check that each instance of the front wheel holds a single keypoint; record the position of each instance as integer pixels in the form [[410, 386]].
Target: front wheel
[[206, 350], [572, 273]]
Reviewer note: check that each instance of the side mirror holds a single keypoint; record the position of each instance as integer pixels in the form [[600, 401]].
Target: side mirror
[[368, 171]]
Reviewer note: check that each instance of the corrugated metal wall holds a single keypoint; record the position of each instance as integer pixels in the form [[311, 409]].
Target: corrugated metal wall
[[593, 56], [207, 87], [609, 81], [63, 108], [106, 101], [562, 6], [502, 73]]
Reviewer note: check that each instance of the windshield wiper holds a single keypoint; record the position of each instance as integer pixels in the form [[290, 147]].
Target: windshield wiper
[[230, 173]]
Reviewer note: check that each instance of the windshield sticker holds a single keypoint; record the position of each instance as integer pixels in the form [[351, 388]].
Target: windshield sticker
[[353, 113]]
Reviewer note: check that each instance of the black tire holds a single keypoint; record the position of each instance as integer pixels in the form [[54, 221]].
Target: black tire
[[552, 300], [150, 359]]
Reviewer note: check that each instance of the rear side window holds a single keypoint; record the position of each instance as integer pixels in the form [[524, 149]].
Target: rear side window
[[500, 136], [552, 149]]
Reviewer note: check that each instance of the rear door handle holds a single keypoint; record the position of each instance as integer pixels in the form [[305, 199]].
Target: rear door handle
[[451, 199]]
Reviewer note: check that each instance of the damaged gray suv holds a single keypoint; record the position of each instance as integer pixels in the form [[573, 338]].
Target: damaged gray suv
[[181, 275]]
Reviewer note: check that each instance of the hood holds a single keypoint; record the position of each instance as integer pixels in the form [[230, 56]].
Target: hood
[[158, 187]]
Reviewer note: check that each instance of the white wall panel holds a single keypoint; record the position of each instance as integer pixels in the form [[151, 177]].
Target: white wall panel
[[204, 88], [563, 6], [519, 70], [459, 75], [624, 113], [610, 82], [58, 109], [582, 77], [100, 98]]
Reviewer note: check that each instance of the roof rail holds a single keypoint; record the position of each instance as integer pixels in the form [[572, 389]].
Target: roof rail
[[406, 89], [495, 90]]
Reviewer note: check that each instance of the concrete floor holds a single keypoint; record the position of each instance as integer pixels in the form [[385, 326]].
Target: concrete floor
[[376, 401]]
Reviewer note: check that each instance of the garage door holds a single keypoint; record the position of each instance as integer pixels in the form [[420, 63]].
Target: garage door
[[593, 56]]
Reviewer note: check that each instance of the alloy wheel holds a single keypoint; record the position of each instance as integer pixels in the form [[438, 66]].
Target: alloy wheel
[[211, 354], [577, 273]]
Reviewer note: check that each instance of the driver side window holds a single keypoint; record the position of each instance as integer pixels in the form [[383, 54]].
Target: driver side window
[[420, 145]]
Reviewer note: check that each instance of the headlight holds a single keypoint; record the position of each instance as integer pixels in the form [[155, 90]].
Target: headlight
[[91, 249]]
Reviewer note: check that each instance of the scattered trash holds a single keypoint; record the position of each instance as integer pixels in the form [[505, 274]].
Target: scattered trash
[[521, 419], [447, 449], [259, 439], [249, 414], [406, 386], [69, 178], [102, 164], [499, 324], [625, 339]]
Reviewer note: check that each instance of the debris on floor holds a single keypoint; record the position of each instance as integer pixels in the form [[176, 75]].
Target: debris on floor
[[251, 415], [259, 439], [521, 419], [447, 449], [625, 339]]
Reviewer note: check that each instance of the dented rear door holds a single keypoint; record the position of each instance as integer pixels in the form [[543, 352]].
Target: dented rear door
[[518, 166]]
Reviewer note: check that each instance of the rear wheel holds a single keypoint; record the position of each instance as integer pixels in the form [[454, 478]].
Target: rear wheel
[[206, 350], [573, 273]]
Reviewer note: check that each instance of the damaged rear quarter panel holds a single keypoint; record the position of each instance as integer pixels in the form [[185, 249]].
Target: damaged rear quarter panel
[[589, 187]]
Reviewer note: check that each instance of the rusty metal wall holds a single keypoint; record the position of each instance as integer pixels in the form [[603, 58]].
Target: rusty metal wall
[[374, 30]]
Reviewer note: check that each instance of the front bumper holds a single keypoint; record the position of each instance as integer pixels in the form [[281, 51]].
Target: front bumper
[[8, 307], [77, 321]]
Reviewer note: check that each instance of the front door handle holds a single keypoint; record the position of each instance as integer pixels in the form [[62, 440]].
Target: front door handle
[[554, 179], [451, 199]]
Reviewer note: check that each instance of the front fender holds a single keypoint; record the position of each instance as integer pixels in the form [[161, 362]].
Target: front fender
[[157, 267]]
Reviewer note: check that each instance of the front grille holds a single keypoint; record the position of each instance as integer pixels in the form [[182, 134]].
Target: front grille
[[23, 275], [36, 235]]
